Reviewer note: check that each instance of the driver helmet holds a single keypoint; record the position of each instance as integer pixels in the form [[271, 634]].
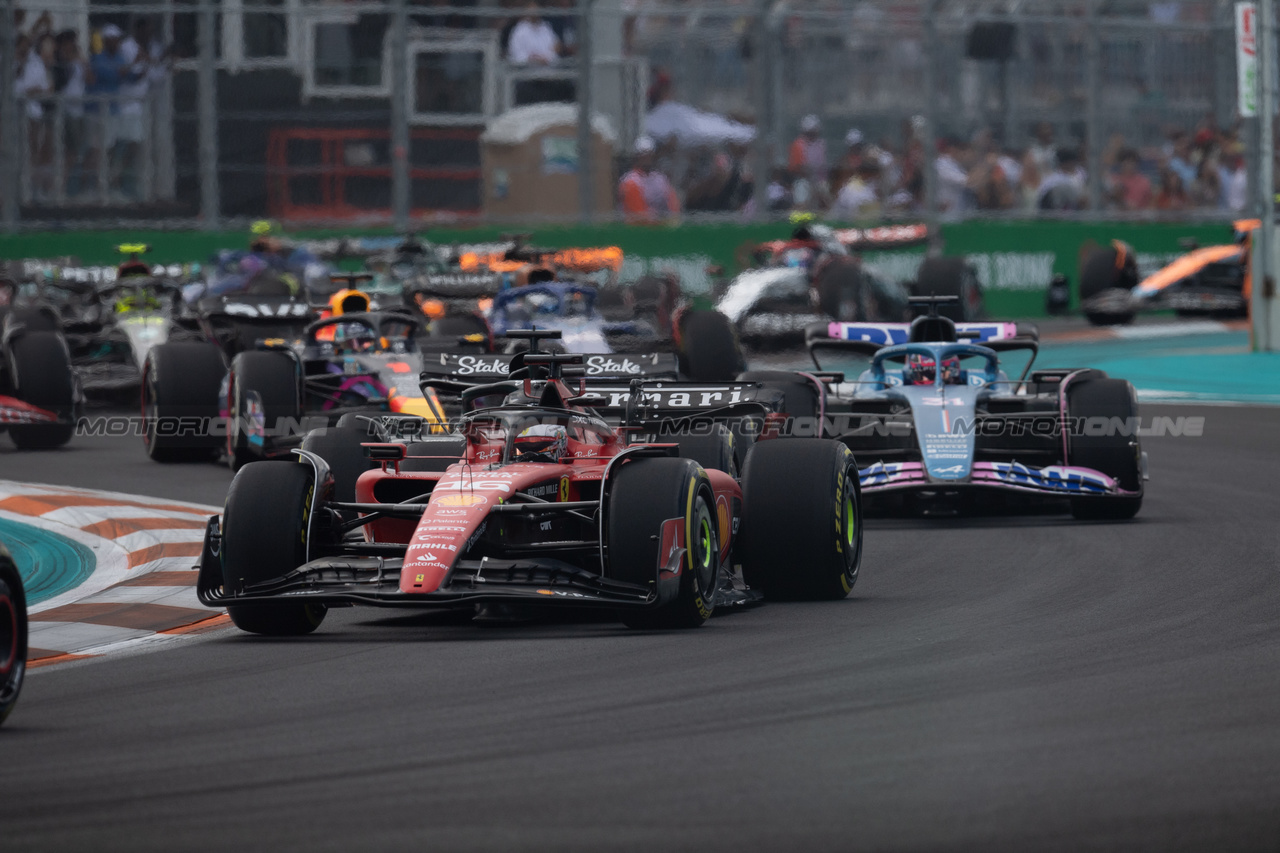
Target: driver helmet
[[349, 301], [951, 371], [542, 443]]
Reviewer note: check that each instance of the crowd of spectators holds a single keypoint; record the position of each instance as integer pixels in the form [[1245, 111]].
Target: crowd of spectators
[[87, 102], [859, 179]]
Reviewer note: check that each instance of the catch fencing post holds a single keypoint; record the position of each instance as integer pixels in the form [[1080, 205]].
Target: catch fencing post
[[400, 141], [1092, 130], [1265, 249], [10, 132], [586, 158], [207, 116]]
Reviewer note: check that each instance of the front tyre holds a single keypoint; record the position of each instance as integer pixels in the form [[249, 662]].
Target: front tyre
[[801, 520], [264, 536], [264, 393], [43, 377], [1115, 454], [649, 500]]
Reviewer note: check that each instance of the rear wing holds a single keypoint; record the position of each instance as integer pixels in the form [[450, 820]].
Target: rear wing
[[888, 334], [458, 285], [665, 400], [586, 260], [883, 237], [478, 369]]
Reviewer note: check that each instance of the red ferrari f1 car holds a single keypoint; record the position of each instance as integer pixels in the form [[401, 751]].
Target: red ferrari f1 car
[[539, 501]]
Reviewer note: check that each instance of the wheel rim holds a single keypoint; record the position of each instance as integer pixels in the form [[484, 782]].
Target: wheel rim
[[703, 556], [852, 539]]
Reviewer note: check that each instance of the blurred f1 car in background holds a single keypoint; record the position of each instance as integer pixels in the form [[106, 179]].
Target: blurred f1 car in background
[[818, 275], [536, 502], [938, 424], [1208, 281], [110, 317], [13, 633]]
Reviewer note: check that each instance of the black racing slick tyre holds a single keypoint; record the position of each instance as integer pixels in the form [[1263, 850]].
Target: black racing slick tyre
[[951, 277], [710, 351], [1102, 269], [1115, 454], [42, 376], [801, 533], [644, 495], [180, 384], [264, 536], [273, 376], [714, 452], [13, 634], [800, 397], [342, 450], [839, 287]]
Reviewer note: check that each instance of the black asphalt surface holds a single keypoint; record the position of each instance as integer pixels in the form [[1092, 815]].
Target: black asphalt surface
[[992, 684]]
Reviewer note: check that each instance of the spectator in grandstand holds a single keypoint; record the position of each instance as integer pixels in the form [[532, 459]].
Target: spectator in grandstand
[[1206, 189], [110, 69], [720, 181], [953, 180], [564, 22], [1234, 178], [859, 198], [807, 161], [31, 82], [533, 41], [1130, 189], [1172, 194], [1044, 150], [644, 192], [778, 193], [1180, 157], [855, 151], [70, 79], [1028, 189], [988, 185], [1063, 188], [145, 57]]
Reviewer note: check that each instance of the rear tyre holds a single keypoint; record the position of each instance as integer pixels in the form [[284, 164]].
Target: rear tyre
[[1106, 268], [273, 377], [645, 494], [180, 381], [839, 286], [13, 634], [801, 520], [42, 376], [951, 277], [799, 396], [264, 536], [340, 448], [1116, 455], [713, 452], [710, 348]]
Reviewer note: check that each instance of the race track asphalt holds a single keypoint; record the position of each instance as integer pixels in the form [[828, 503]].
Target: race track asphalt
[[992, 684]]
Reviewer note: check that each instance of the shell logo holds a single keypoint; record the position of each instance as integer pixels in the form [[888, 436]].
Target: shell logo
[[461, 500]]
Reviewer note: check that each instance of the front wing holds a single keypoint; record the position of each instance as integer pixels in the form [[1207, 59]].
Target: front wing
[[1051, 480]]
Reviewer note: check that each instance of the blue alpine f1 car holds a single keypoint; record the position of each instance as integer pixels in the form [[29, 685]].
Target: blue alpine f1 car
[[938, 418]]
